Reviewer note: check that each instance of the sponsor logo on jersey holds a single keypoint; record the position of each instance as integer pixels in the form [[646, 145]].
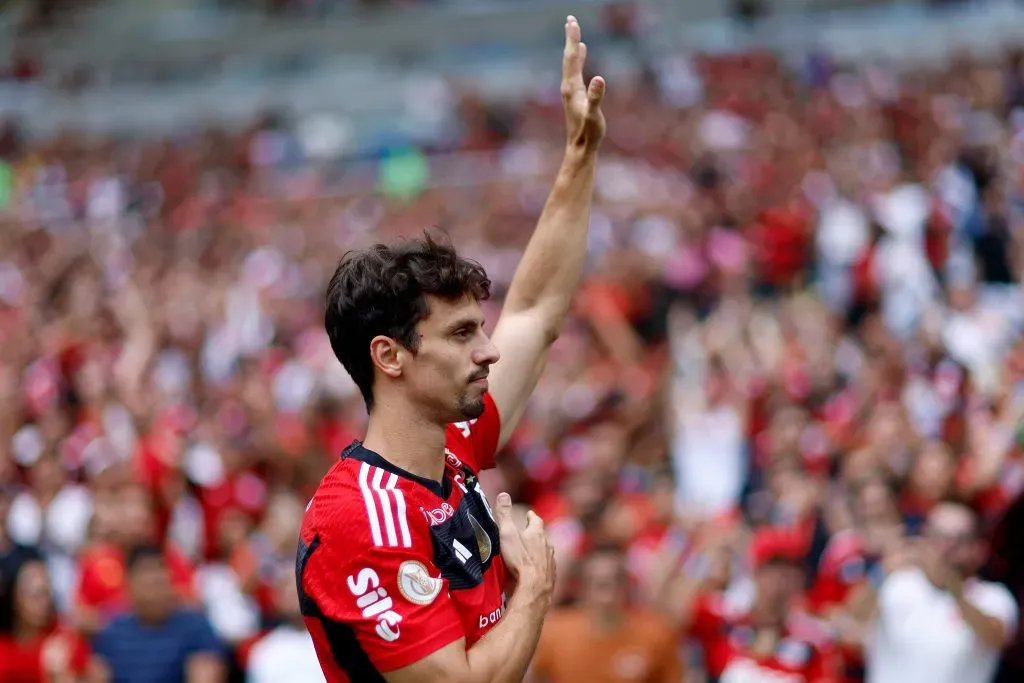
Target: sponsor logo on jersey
[[438, 515], [375, 603], [461, 551], [483, 541], [495, 616], [416, 584]]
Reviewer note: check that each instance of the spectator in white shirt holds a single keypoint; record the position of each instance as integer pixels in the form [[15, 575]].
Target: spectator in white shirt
[[937, 622], [286, 654]]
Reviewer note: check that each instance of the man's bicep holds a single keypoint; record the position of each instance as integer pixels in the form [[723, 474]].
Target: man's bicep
[[523, 343], [385, 605], [447, 665]]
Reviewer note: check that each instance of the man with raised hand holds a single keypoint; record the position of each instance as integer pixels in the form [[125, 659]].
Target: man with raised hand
[[403, 568]]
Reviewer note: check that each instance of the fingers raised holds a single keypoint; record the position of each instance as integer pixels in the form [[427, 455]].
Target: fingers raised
[[572, 59]]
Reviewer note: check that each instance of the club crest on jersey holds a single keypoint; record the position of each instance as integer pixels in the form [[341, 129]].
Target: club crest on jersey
[[483, 541], [793, 654], [416, 584]]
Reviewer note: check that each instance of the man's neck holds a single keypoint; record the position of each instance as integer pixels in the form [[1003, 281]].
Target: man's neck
[[407, 440], [23, 633]]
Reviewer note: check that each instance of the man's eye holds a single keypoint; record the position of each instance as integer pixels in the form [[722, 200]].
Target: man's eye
[[463, 334]]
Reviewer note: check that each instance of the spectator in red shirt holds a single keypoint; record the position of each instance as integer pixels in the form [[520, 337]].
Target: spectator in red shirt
[[774, 639], [102, 586], [38, 648]]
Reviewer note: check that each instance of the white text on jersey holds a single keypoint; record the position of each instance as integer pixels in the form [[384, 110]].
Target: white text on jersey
[[439, 515], [375, 603]]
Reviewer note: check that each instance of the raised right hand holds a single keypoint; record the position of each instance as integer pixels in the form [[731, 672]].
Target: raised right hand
[[528, 553]]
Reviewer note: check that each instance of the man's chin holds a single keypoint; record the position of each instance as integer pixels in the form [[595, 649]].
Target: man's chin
[[471, 409]]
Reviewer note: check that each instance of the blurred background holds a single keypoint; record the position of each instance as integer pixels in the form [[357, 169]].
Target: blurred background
[[798, 345]]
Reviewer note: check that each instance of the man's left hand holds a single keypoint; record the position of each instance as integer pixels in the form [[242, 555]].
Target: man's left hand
[[584, 119]]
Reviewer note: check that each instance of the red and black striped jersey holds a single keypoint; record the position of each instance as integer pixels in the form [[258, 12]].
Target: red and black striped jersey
[[392, 566]]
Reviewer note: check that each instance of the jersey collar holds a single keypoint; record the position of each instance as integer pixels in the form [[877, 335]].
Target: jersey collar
[[357, 451]]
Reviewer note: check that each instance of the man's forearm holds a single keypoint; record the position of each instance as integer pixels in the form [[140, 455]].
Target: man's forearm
[[552, 264], [504, 654]]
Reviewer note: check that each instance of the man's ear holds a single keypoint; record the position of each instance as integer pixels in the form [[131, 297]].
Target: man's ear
[[386, 353]]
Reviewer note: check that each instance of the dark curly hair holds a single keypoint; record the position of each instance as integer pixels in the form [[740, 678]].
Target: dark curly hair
[[383, 291]]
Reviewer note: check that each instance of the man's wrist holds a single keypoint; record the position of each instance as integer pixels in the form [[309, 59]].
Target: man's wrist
[[530, 594], [578, 158]]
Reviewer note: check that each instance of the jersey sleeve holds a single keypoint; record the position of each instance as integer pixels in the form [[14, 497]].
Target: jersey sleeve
[[476, 441], [361, 602]]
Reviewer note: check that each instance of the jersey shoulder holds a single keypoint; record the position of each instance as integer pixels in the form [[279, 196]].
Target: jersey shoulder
[[475, 442], [362, 507]]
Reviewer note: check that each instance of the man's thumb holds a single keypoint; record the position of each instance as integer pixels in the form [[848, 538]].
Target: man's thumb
[[595, 91], [503, 509]]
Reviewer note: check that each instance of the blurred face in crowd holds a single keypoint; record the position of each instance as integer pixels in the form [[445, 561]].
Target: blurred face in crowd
[[150, 586], [585, 492], [603, 585], [286, 599], [282, 521], [874, 503], [47, 476], [33, 599], [234, 528], [787, 426], [135, 514], [886, 430], [105, 516], [933, 470], [779, 583], [447, 373], [606, 445], [951, 534]]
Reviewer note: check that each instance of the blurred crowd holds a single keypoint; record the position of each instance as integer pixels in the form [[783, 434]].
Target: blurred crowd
[[777, 441]]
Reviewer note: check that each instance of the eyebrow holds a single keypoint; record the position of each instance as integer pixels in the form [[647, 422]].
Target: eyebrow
[[463, 322]]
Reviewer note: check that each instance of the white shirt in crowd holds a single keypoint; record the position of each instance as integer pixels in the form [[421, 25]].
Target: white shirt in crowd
[[710, 461], [920, 636], [285, 655]]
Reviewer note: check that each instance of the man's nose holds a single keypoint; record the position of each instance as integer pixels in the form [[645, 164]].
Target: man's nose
[[488, 354]]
